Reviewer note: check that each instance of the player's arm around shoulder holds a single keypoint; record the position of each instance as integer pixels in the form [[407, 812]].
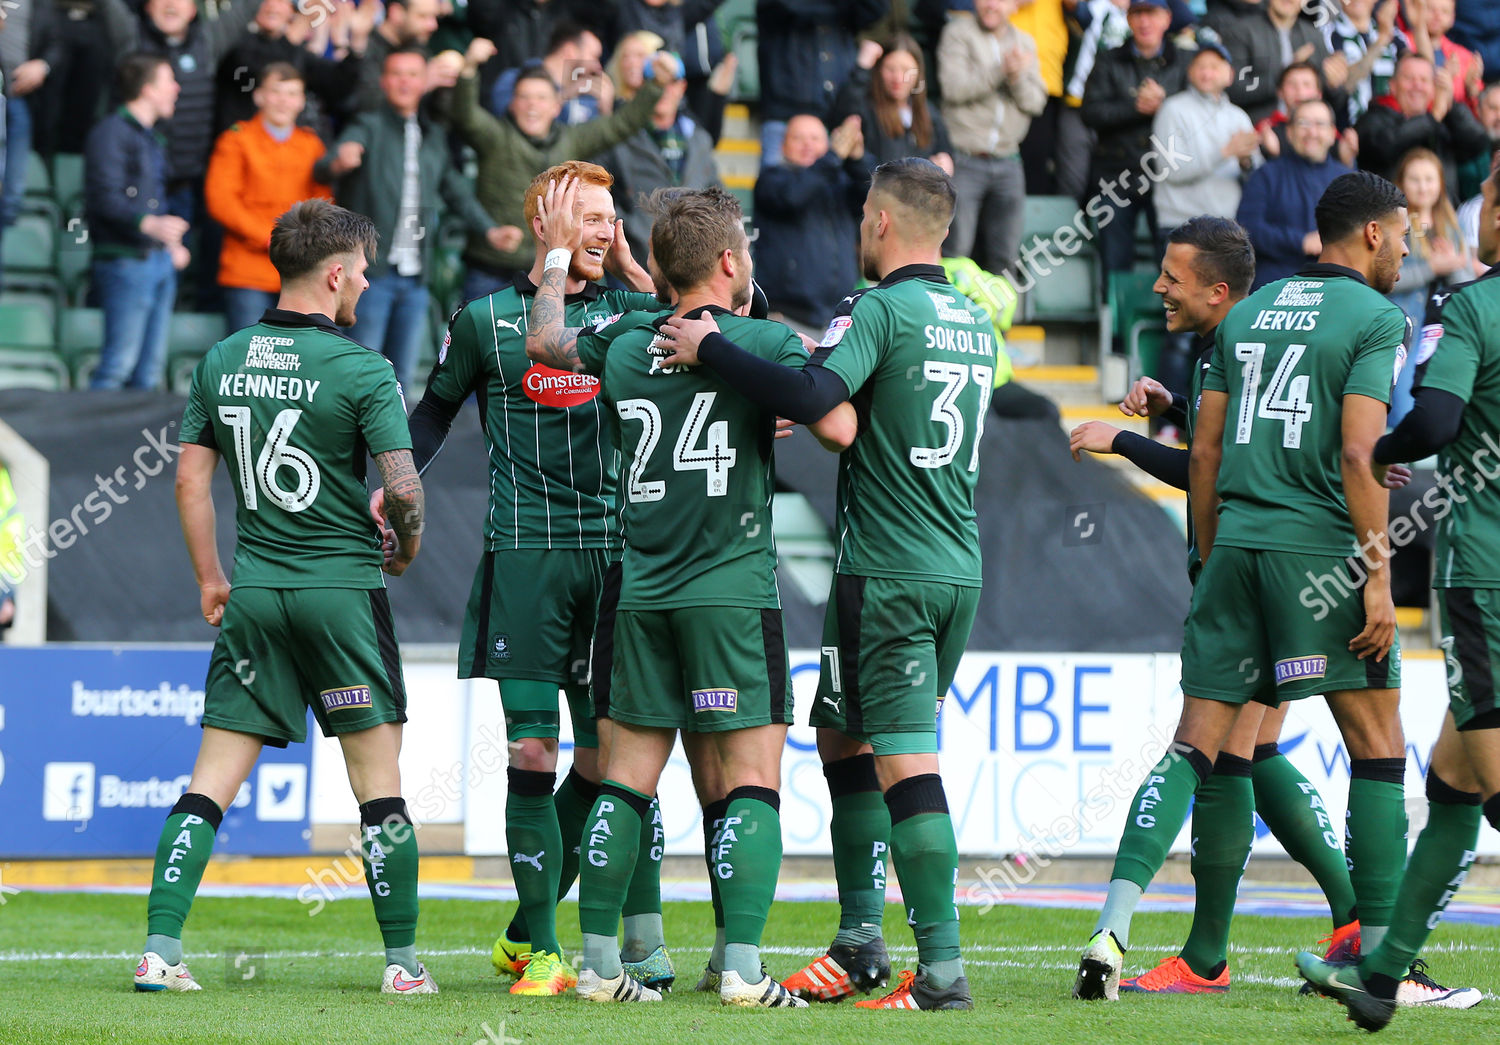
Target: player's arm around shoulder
[[835, 430]]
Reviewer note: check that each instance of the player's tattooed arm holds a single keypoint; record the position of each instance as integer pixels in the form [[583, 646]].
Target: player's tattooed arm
[[405, 506], [548, 341]]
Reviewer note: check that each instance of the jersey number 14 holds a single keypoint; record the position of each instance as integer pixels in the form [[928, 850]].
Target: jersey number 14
[[1285, 398]]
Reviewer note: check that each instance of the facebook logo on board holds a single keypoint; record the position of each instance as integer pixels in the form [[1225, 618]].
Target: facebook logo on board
[[68, 791]]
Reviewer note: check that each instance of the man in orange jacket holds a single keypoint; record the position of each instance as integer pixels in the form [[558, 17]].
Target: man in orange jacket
[[260, 167]]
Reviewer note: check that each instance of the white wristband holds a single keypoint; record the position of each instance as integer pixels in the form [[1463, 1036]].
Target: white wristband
[[558, 258]]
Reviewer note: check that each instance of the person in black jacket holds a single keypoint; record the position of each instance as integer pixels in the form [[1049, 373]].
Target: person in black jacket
[[1125, 88], [193, 46], [137, 244], [69, 37], [807, 209], [887, 90], [329, 80], [1418, 114], [806, 51]]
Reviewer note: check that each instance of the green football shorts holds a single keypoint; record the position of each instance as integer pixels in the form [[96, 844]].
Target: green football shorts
[[704, 669], [890, 651], [1470, 622], [531, 615], [283, 650], [1282, 617]]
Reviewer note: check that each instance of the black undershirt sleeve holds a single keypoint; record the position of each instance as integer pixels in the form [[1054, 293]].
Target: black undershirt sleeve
[[429, 424], [1167, 463], [803, 396], [1432, 424], [1176, 414]]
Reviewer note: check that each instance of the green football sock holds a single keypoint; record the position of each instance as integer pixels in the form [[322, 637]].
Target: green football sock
[[747, 861], [1375, 840], [182, 852], [611, 839], [1223, 830], [642, 909], [573, 800], [535, 845], [861, 830], [925, 854], [1438, 866], [1156, 815], [713, 823], [389, 849], [1294, 811]]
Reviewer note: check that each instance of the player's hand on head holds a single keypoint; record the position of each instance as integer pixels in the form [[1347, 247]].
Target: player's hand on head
[[1146, 398], [1093, 436], [618, 259], [560, 212], [212, 598], [683, 334], [1393, 476]]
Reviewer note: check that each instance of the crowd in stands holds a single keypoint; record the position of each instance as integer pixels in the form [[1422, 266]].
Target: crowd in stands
[[201, 120]]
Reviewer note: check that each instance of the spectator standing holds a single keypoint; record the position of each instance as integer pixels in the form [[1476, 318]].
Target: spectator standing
[[670, 152], [1216, 136], [573, 61], [260, 167], [331, 80], [1107, 27], [992, 88], [807, 210], [1365, 34], [408, 26], [687, 29], [1043, 21], [888, 92], [517, 147], [1263, 39], [1439, 255], [1298, 83], [806, 50], [1278, 204], [1125, 89], [1419, 113], [1451, 59], [137, 244], [193, 46], [626, 70], [71, 38], [1476, 25], [23, 76], [392, 164], [1472, 173]]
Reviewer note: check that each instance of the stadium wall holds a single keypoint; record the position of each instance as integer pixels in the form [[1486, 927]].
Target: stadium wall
[[1041, 755]]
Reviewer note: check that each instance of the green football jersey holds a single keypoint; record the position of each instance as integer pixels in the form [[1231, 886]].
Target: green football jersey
[[294, 406], [1286, 356], [919, 360], [1459, 353], [552, 471], [699, 469]]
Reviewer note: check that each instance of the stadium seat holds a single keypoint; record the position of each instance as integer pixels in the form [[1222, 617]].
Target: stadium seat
[[189, 337], [39, 303], [67, 183], [80, 335], [736, 20], [1067, 291], [74, 252], [27, 359], [30, 245], [38, 180], [1138, 324]]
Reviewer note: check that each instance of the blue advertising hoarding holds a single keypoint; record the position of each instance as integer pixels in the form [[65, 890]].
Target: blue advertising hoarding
[[97, 744]]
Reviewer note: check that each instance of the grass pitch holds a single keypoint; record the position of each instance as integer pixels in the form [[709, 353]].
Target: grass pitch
[[271, 973]]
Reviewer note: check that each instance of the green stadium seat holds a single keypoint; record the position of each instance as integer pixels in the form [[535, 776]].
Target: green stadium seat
[[74, 253], [1138, 323], [67, 182], [27, 359], [1057, 286], [30, 245], [39, 303], [39, 370], [38, 179], [80, 335], [189, 337]]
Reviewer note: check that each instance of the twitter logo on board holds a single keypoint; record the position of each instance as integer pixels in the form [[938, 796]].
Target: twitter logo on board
[[281, 792]]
